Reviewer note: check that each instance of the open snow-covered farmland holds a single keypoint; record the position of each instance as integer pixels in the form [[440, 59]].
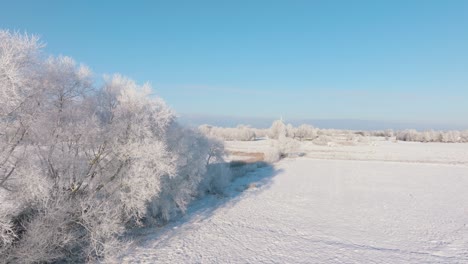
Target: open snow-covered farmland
[[375, 202]]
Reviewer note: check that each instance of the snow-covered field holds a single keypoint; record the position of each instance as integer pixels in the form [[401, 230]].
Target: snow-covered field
[[375, 202]]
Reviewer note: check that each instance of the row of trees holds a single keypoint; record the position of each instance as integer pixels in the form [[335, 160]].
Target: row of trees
[[239, 133], [278, 129], [453, 136], [246, 133], [80, 164], [303, 132], [306, 132]]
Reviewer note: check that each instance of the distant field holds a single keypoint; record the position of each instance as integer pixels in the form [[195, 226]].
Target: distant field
[[371, 148]]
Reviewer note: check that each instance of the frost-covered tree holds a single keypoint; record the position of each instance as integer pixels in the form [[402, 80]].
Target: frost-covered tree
[[19, 90], [80, 164], [278, 129], [290, 131], [464, 136]]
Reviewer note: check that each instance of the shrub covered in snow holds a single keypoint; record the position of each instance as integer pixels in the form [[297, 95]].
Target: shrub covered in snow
[[322, 140], [306, 132], [79, 164], [280, 148]]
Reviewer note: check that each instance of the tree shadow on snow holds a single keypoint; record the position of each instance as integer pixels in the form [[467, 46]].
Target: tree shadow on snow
[[249, 179]]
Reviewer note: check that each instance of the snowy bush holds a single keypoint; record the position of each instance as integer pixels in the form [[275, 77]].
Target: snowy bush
[[280, 148], [382, 133], [306, 132], [409, 135], [322, 140], [283, 142], [80, 164], [272, 155]]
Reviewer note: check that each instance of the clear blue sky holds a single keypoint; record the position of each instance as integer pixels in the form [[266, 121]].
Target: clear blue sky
[[378, 60]]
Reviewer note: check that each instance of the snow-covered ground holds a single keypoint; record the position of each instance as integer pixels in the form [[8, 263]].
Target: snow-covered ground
[[376, 202]]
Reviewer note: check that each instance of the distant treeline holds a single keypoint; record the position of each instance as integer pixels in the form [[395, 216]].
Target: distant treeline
[[308, 132]]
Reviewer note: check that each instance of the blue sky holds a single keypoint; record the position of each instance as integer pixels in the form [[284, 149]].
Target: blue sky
[[369, 60]]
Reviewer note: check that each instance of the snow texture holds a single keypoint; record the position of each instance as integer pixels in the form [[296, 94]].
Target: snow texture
[[377, 203]]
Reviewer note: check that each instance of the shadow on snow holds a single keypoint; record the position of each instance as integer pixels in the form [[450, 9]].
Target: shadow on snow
[[249, 179]]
